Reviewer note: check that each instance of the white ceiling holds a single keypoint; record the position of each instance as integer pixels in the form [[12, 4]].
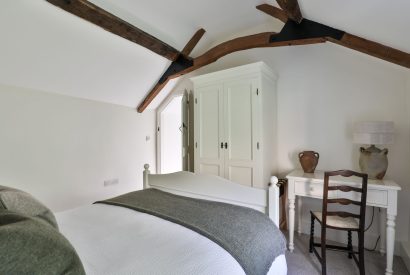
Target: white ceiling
[[45, 48]]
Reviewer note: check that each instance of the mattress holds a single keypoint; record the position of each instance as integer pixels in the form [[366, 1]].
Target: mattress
[[116, 240]]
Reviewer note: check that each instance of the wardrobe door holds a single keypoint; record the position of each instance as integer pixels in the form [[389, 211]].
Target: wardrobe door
[[209, 154], [240, 131]]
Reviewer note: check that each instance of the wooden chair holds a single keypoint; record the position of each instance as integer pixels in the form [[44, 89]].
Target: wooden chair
[[340, 220]]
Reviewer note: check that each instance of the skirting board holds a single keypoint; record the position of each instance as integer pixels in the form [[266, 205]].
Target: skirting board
[[405, 254], [338, 236]]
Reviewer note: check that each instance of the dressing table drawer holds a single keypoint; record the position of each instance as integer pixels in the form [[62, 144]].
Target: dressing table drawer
[[311, 189]]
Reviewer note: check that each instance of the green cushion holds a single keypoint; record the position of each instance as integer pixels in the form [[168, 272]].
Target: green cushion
[[21, 202], [30, 246]]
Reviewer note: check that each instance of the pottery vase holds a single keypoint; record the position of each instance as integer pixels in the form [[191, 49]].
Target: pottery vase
[[373, 162], [309, 160]]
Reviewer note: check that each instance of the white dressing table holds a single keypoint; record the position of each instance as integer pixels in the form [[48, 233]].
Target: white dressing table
[[380, 193]]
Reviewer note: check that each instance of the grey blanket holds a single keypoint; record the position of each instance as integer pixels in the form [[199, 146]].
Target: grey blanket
[[248, 235], [30, 245]]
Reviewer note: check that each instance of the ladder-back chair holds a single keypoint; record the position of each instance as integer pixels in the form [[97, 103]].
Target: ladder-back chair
[[341, 220]]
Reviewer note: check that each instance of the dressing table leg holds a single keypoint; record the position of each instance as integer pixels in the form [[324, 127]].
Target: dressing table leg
[[390, 231], [382, 230], [299, 215], [291, 223]]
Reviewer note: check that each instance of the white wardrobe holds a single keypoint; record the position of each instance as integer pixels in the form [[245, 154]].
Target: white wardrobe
[[235, 124]]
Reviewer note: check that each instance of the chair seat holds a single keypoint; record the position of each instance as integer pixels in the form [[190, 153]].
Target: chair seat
[[336, 221]]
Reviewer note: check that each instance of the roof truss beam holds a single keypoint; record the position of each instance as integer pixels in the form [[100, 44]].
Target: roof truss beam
[[182, 63], [373, 48], [339, 37], [274, 12], [109, 22], [296, 31], [260, 40], [291, 8], [193, 42]]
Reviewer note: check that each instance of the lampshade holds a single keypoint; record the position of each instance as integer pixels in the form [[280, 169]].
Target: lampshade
[[374, 132]]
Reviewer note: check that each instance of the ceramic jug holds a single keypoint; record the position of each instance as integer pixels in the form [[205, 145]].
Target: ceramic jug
[[309, 160], [373, 162]]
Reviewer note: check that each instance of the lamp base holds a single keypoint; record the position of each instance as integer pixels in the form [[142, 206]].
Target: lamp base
[[373, 162]]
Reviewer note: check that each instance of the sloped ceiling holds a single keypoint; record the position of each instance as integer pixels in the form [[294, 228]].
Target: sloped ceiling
[[45, 48]]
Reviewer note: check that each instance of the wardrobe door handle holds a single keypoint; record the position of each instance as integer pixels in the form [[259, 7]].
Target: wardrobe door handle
[[226, 145], [222, 145]]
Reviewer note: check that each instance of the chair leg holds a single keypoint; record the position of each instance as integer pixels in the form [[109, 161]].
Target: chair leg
[[312, 232], [323, 244], [361, 253], [349, 244]]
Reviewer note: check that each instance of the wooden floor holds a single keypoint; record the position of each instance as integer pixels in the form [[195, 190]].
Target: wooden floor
[[301, 262]]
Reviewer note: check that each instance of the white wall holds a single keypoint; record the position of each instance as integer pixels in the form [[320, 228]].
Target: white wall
[[61, 149], [322, 90]]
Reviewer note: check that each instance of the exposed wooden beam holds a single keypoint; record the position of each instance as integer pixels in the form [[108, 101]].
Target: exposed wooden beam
[[261, 40], [374, 49], [274, 12], [193, 42], [234, 45], [293, 33], [291, 7], [177, 66], [238, 44], [115, 25], [152, 94], [182, 62], [297, 31], [304, 29]]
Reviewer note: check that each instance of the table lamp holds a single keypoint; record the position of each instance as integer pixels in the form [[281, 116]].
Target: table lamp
[[373, 161]]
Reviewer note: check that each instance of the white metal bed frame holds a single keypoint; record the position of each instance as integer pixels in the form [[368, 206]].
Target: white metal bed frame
[[215, 188]]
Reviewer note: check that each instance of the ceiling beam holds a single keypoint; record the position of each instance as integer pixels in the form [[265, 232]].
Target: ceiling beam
[[260, 40], [152, 94], [297, 31], [115, 25], [291, 8], [293, 33], [340, 37], [182, 62], [173, 70], [374, 49], [193, 42], [274, 12]]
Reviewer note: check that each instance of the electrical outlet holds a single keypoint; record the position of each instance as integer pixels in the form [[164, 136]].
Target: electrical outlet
[[111, 182]]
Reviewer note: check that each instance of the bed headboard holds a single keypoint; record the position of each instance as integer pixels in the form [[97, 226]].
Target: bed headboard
[[215, 188]]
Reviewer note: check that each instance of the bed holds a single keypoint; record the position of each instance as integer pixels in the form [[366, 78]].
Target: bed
[[117, 240]]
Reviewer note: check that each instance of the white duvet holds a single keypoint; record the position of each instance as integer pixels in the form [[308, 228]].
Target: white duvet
[[116, 240]]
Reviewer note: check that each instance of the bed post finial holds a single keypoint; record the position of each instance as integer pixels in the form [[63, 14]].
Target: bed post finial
[[146, 173], [273, 200], [274, 180]]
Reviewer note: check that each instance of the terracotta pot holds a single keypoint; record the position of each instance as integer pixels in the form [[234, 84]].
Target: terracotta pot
[[309, 160]]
